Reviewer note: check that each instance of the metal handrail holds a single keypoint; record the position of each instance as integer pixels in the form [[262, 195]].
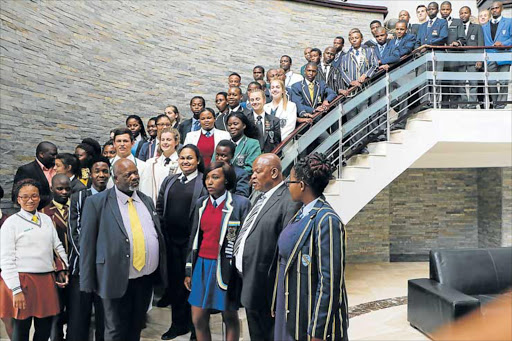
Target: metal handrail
[[390, 95]]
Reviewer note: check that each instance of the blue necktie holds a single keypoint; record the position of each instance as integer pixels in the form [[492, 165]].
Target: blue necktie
[[357, 53], [196, 125], [215, 204], [208, 134]]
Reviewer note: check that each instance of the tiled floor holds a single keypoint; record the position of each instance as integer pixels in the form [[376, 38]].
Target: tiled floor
[[365, 283]]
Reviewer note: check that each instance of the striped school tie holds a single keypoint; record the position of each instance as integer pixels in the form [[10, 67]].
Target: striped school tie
[[248, 222]]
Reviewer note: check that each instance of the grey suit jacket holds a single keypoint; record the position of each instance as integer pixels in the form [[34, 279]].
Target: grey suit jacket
[[456, 32], [104, 246], [260, 249]]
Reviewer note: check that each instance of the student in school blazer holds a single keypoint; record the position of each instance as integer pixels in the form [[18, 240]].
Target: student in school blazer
[[317, 261], [503, 35], [287, 118], [405, 44], [218, 135], [390, 54], [435, 35], [306, 104], [272, 132], [349, 65], [235, 210]]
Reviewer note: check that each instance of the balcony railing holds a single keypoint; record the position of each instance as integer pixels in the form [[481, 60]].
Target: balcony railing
[[429, 77]]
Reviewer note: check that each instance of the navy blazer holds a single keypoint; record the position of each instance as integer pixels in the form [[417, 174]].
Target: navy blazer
[[234, 212], [306, 104], [435, 35], [272, 135], [314, 274], [147, 150], [389, 55], [76, 208], [337, 60], [104, 246], [33, 171], [405, 45], [184, 128]]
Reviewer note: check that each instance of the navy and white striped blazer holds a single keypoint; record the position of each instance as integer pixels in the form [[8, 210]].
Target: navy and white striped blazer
[[314, 275], [350, 68]]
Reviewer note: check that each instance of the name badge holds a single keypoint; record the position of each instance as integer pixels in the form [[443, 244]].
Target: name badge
[[472, 37], [434, 33]]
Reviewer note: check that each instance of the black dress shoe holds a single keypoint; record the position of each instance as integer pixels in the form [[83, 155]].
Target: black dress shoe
[[174, 332]]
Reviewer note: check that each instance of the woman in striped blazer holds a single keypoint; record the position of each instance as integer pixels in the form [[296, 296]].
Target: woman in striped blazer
[[310, 300]]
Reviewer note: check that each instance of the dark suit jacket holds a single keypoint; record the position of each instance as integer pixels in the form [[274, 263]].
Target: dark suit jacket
[[306, 104], [147, 149], [234, 212], [104, 267], [220, 121], [406, 44], [475, 36], [413, 29], [272, 135], [390, 54], [33, 171], [337, 60], [314, 273], [76, 208], [456, 32], [242, 182], [261, 248], [435, 35]]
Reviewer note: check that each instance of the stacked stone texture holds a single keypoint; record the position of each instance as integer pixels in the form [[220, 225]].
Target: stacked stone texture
[[76, 69], [424, 209]]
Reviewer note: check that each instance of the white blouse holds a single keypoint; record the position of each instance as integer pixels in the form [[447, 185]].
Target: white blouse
[[287, 118]]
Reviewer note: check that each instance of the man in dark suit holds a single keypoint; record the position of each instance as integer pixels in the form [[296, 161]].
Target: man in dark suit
[[221, 102], [122, 252], [373, 28], [197, 105], [41, 170], [256, 245], [268, 126], [456, 37], [80, 303], [474, 36]]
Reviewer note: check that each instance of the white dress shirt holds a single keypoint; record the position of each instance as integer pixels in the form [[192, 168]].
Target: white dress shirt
[[292, 78]]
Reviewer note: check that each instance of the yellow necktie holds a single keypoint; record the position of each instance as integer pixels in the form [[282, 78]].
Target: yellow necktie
[[139, 248], [35, 219], [311, 90]]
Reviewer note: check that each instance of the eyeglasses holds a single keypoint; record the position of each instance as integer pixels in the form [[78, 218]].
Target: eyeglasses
[[25, 198], [288, 182]]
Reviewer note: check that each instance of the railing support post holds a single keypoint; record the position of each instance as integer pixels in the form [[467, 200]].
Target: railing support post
[[388, 108], [340, 143], [434, 83], [486, 81]]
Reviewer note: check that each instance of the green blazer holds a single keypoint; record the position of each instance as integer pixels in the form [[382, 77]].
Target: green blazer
[[247, 150]]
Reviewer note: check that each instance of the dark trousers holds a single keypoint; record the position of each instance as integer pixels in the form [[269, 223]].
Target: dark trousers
[[124, 317], [176, 260], [261, 324], [58, 321], [79, 313], [21, 329]]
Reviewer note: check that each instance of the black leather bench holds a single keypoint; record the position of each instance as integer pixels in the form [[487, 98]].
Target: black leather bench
[[460, 282]]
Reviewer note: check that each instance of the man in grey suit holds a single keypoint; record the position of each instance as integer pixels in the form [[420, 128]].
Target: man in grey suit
[[410, 28], [456, 37], [256, 245], [122, 250], [474, 36]]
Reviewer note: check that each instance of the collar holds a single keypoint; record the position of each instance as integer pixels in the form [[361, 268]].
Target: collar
[[43, 167], [60, 206], [194, 119], [271, 191], [205, 131], [240, 140], [235, 108], [324, 65], [353, 50], [94, 190], [138, 138], [71, 178], [220, 199], [308, 82], [173, 157], [498, 19], [27, 215], [256, 115], [289, 73], [190, 177], [306, 209], [449, 18], [383, 45], [433, 20], [129, 157], [124, 198]]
